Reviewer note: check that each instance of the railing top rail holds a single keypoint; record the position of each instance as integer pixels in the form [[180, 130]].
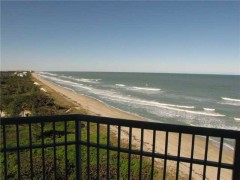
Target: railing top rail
[[233, 134]]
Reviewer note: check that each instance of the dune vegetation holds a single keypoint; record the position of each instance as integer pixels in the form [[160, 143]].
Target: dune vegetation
[[19, 94]]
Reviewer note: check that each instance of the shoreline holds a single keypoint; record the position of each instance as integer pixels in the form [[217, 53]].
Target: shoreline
[[96, 107], [92, 105]]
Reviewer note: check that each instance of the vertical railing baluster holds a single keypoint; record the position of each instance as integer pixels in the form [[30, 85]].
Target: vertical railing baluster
[[98, 147], [19, 148], [88, 150], [141, 151], [108, 142], [118, 156], [43, 153], [18, 151], [30, 147], [236, 165], [4, 153], [54, 151], [178, 155], [205, 157], [153, 152], [220, 158], [165, 158], [192, 153], [129, 152], [66, 149], [78, 149]]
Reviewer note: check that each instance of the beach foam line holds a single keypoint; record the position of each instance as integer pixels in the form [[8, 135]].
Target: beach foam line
[[121, 85], [165, 106], [236, 119], [82, 79], [72, 78], [208, 109], [87, 80], [81, 86], [145, 88], [176, 108], [118, 97], [58, 80], [70, 83], [230, 99], [230, 103], [65, 87], [68, 88], [47, 73]]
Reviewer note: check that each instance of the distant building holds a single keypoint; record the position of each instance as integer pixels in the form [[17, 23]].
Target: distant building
[[25, 113], [44, 90]]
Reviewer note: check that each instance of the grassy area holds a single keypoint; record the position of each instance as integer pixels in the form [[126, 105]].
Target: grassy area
[[19, 94], [32, 98]]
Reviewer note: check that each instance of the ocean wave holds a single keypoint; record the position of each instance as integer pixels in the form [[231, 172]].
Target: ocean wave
[[73, 78], [82, 86], [145, 88], [47, 73], [115, 96], [87, 80], [58, 80], [231, 103], [174, 107], [236, 119], [208, 109], [230, 99], [65, 87], [121, 85], [70, 83]]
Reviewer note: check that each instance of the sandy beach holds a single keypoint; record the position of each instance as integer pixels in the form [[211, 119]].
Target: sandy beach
[[95, 107]]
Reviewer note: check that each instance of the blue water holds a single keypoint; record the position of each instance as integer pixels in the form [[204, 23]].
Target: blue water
[[168, 98], [187, 99]]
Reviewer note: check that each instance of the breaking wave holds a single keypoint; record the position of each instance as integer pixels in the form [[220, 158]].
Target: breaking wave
[[236, 119], [146, 89], [121, 85], [230, 99], [208, 109]]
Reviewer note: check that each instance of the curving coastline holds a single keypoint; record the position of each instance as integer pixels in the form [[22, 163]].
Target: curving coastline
[[95, 107]]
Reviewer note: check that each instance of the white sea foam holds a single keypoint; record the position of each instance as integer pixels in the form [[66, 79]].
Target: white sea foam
[[47, 73], [82, 86], [87, 80], [174, 107], [72, 78], [74, 84], [208, 109], [230, 99], [68, 88], [135, 101], [146, 88], [121, 85], [230, 103], [236, 119], [217, 143]]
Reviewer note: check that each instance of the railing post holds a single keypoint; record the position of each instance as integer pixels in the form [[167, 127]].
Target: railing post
[[78, 149], [236, 168]]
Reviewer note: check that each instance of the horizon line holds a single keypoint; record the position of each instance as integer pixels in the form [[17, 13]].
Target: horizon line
[[125, 72]]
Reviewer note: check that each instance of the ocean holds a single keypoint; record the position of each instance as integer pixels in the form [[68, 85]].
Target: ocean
[[186, 99]]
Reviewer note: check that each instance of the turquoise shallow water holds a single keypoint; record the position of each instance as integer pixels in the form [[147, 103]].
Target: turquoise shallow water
[[196, 100], [187, 99]]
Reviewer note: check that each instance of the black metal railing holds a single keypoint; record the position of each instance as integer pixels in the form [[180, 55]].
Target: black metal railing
[[71, 147]]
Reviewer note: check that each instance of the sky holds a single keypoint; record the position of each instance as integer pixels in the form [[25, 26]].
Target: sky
[[168, 37]]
